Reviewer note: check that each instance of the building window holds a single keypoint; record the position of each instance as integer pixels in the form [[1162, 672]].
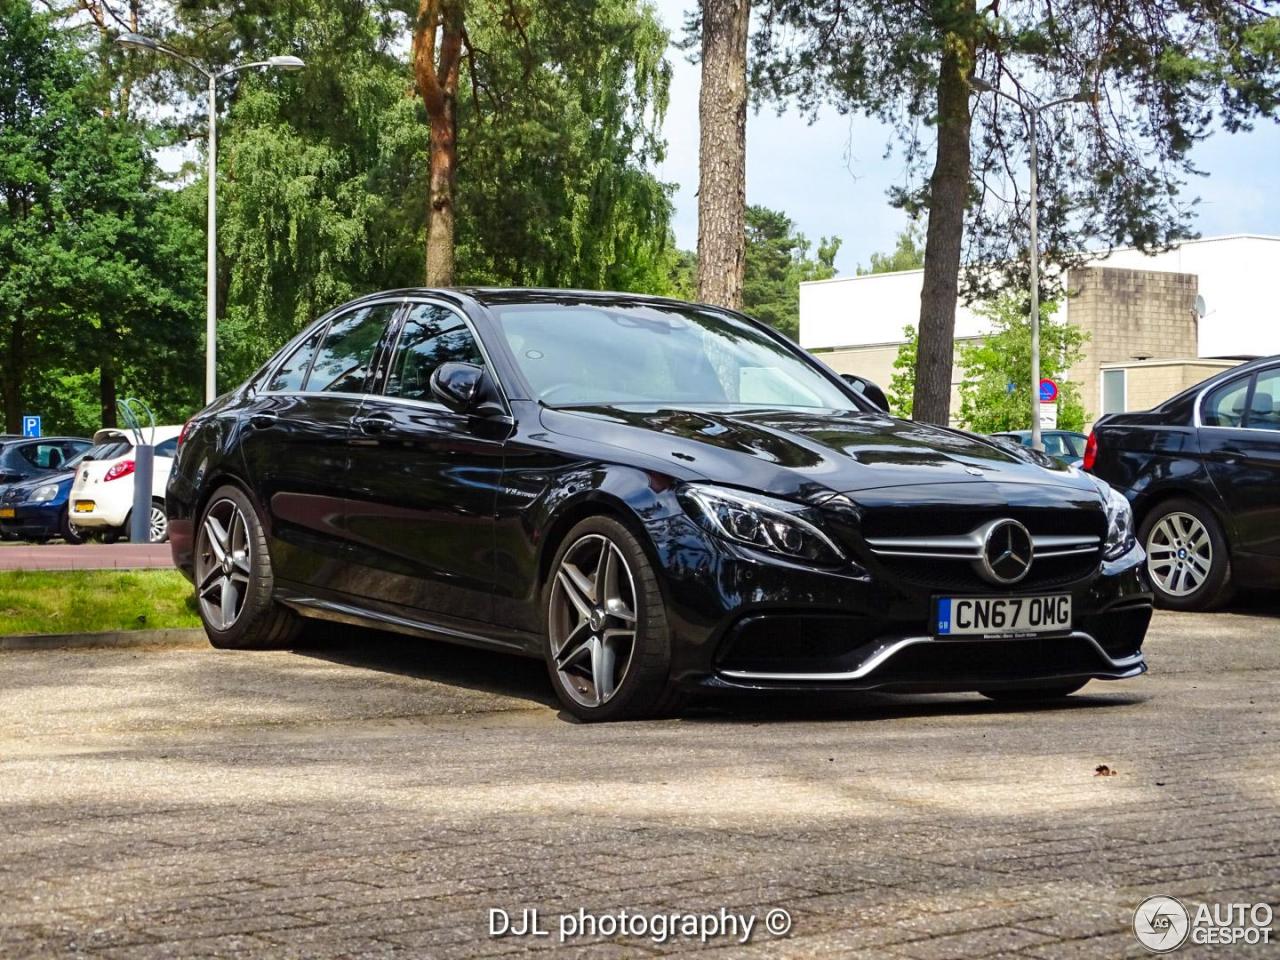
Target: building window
[[1114, 389]]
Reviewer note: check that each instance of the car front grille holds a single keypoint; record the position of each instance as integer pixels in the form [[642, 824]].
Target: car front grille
[[942, 550]]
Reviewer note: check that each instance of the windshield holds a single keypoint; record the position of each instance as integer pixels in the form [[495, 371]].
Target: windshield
[[579, 354], [107, 450]]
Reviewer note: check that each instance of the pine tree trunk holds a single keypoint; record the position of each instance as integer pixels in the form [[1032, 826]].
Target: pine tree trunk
[[436, 63], [948, 201], [11, 381], [444, 154], [722, 153]]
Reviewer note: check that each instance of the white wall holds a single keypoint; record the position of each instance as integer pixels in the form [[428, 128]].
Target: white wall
[[1237, 277]]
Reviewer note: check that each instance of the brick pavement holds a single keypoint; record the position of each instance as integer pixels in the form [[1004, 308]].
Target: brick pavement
[[379, 797]]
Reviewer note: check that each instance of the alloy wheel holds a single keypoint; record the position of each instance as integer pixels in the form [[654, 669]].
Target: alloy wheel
[[223, 565], [159, 524], [592, 620], [1179, 554]]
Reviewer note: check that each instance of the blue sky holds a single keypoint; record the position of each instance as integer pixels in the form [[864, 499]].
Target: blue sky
[[831, 178]]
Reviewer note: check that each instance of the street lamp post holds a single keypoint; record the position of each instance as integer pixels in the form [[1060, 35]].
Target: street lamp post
[[137, 41], [1032, 110]]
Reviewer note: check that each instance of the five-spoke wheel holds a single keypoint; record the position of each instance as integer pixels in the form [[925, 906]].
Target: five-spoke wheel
[[223, 566], [592, 619], [608, 644], [234, 582]]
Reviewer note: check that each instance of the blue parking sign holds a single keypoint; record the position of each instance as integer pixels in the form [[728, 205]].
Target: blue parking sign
[[31, 426]]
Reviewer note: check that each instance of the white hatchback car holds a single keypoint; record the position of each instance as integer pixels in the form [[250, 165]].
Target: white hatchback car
[[101, 499]]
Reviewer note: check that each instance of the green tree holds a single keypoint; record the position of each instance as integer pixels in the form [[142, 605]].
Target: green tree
[[86, 240], [1163, 74], [778, 260], [902, 386], [995, 393], [907, 254]]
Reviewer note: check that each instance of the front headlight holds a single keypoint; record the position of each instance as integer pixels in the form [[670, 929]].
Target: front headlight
[[759, 521], [1120, 538], [44, 494]]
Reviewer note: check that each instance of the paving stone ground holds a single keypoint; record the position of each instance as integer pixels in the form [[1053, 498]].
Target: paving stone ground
[[378, 797]]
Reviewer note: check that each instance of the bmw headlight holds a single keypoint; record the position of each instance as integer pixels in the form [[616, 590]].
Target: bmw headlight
[[1120, 537], [44, 494], [759, 521]]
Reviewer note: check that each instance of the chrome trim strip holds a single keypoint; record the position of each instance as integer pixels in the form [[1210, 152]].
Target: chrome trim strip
[[878, 658], [969, 546]]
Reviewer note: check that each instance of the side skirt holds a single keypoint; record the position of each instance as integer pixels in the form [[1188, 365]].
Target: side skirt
[[334, 611]]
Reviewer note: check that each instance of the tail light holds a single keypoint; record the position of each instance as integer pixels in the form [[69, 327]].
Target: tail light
[[1090, 450], [186, 428], [121, 469]]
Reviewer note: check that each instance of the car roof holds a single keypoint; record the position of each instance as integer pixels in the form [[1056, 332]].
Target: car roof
[[495, 296]]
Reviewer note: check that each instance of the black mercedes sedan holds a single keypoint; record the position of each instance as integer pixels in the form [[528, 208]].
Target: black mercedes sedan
[[655, 497], [1202, 471]]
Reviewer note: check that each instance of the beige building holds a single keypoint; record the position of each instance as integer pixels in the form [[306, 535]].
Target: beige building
[[1149, 326]]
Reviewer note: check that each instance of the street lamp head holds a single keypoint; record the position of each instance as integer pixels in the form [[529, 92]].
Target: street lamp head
[[286, 63], [136, 41]]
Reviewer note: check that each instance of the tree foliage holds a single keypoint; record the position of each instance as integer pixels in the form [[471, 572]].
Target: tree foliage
[[95, 296], [907, 254], [1163, 73], [777, 261], [902, 386], [995, 390]]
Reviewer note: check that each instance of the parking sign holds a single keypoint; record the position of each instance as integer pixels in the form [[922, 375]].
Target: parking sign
[[31, 426]]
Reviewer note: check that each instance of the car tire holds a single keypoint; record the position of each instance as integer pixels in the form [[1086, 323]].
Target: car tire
[[1034, 693], [236, 598], [607, 644], [1188, 560], [158, 523], [67, 530], [114, 535]]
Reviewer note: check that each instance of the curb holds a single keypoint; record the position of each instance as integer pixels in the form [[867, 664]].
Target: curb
[[173, 637]]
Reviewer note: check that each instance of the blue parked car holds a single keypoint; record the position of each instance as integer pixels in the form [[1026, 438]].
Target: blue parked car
[[36, 509]]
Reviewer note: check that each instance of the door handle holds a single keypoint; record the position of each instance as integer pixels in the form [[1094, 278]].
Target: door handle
[[262, 420], [375, 423]]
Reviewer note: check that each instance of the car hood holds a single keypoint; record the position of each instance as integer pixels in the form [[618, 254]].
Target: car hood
[[19, 492], [806, 454]]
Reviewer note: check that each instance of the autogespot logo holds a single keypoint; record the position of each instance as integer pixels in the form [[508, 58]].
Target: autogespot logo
[[1161, 924]]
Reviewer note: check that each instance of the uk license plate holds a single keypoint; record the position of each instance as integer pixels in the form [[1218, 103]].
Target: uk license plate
[[85, 506], [6, 513], [991, 616]]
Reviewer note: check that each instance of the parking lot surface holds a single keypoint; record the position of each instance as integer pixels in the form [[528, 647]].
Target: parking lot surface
[[379, 796]]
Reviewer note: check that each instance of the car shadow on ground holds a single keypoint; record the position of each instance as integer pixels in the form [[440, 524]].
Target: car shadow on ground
[[451, 664], [526, 679]]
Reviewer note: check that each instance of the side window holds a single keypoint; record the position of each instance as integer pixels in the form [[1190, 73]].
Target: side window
[[1264, 408], [290, 375], [345, 356], [43, 455], [167, 449], [432, 335], [1224, 406]]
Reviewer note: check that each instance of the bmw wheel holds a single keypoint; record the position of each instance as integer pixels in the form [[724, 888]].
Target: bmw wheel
[[234, 582], [1187, 558], [608, 644]]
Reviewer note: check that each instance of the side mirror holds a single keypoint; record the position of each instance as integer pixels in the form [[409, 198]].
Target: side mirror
[[868, 389], [457, 385]]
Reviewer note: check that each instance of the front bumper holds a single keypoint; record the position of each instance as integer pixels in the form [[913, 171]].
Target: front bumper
[[34, 520], [742, 621]]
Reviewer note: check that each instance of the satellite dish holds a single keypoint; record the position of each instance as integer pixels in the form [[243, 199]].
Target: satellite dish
[[1200, 306]]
